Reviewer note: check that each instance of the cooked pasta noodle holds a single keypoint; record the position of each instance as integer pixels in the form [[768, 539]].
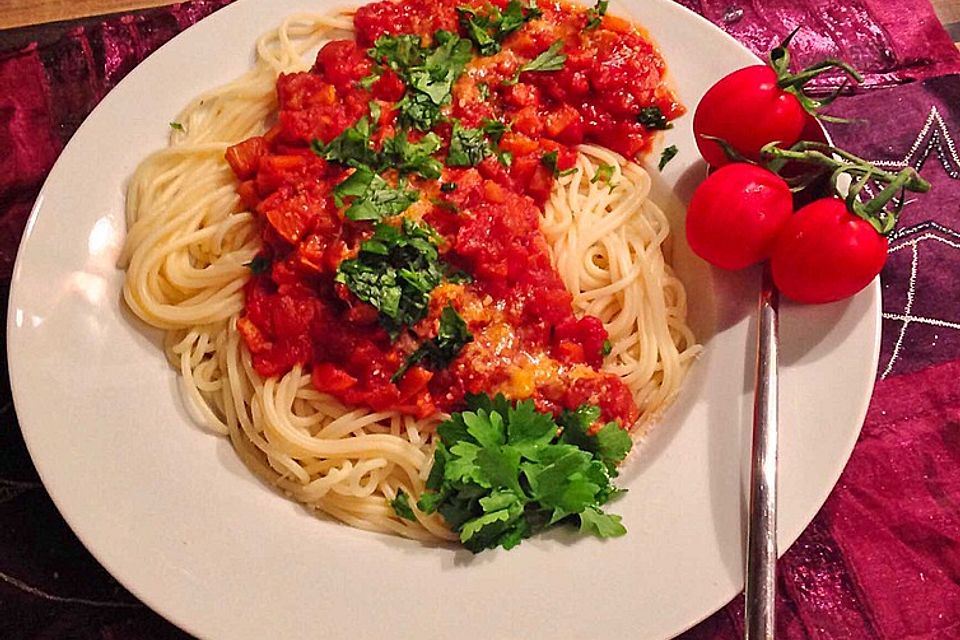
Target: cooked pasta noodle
[[190, 237]]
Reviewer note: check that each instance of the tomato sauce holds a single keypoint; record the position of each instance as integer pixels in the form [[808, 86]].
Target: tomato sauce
[[527, 342]]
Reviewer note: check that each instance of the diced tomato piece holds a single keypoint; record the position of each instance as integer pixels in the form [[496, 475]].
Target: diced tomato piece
[[255, 340], [244, 158], [302, 91], [518, 144], [522, 95], [541, 184], [570, 352], [528, 122], [414, 381], [565, 124], [248, 194], [291, 215], [342, 63], [331, 379], [275, 171], [389, 87]]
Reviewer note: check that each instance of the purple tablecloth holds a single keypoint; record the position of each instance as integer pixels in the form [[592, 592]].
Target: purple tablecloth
[[881, 560]]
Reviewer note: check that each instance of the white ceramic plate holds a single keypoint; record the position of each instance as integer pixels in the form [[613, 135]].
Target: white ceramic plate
[[171, 512]]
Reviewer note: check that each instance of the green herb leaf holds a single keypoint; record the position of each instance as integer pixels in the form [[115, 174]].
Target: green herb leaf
[[488, 30], [502, 473], [549, 60], [604, 174], [607, 348], [368, 82], [401, 506], [452, 336], [429, 72], [412, 157], [398, 52], [602, 525], [494, 128], [595, 15], [176, 126], [351, 148], [375, 198], [448, 187], [468, 147], [417, 110], [549, 160], [395, 272], [355, 185], [259, 265], [667, 155], [652, 118]]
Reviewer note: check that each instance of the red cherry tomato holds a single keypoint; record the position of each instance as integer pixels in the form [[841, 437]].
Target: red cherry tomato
[[825, 253], [735, 215], [748, 109]]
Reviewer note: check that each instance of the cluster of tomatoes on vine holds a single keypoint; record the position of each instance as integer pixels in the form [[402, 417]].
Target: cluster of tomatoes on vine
[[748, 128]]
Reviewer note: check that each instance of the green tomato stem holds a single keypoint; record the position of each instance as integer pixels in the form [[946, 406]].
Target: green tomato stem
[[840, 162]]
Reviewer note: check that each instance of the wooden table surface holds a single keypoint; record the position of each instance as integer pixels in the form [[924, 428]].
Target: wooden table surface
[[18, 13]]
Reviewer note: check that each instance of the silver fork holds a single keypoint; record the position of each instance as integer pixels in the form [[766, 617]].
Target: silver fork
[[761, 578]]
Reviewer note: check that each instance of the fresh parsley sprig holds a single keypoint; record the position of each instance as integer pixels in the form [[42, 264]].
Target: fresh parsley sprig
[[503, 472]]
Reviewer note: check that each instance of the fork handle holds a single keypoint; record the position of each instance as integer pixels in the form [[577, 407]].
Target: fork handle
[[761, 576]]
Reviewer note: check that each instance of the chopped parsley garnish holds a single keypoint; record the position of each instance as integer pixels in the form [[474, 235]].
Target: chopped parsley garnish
[[398, 52], [549, 160], [401, 505], [489, 29], [484, 91], [374, 198], [653, 118], [418, 111], [375, 112], [395, 272], [595, 14], [412, 157], [259, 265], [452, 336], [607, 348], [604, 174], [505, 158], [176, 126], [429, 73], [549, 60], [468, 147], [368, 82], [448, 187], [494, 128], [667, 155], [503, 472], [351, 148]]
